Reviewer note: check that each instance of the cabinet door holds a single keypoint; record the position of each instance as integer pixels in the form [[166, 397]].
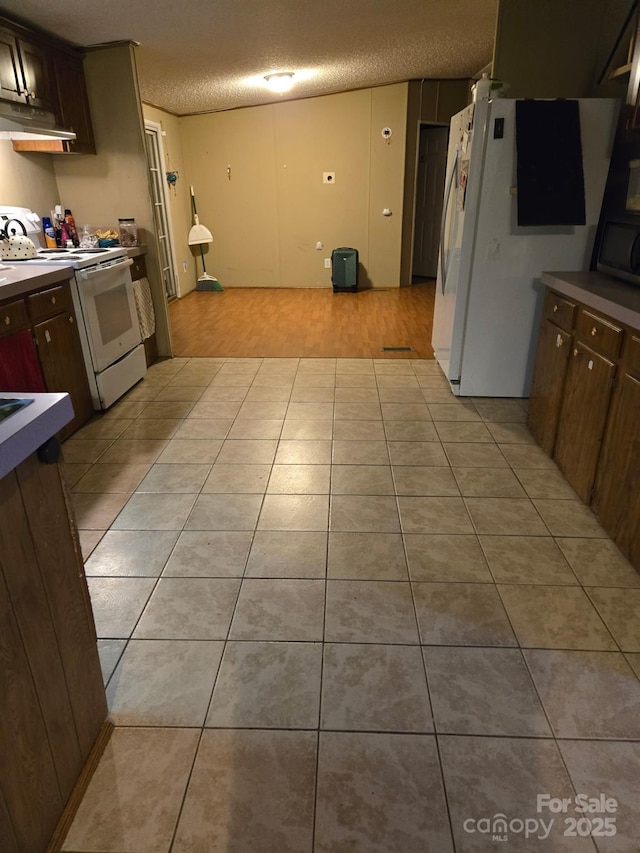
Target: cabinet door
[[587, 392], [73, 103], [11, 83], [617, 493], [552, 358], [62, 363], [37, 71]]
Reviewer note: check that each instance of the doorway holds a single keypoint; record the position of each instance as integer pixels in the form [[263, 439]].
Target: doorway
[[432, 164], [155, 159]]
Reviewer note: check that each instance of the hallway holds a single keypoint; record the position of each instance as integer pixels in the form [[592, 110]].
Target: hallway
[[340, 609]]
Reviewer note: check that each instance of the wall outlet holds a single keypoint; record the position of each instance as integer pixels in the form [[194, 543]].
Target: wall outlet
[[327, 263], [328, 177]]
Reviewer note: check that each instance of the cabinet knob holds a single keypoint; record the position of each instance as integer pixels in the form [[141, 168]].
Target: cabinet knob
[[555, 308], [594, 331], [70, 318], [7, 321], [53, 300], [32, 94], [575, 352]]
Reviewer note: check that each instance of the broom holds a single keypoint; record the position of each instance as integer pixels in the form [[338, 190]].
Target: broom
[[198, 236]]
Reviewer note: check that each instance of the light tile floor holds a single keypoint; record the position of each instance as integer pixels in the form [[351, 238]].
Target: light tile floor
[[341, 610]]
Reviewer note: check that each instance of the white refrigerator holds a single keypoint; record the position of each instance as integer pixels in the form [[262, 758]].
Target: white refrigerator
[[488, 293]]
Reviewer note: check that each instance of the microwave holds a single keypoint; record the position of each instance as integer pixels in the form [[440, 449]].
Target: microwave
[[619, 252]]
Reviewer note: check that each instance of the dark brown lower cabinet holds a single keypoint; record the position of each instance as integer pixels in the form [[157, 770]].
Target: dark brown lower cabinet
[[62, 364], [585, 411], [587, 391], [47, 320], [617, 493], [552, 358]]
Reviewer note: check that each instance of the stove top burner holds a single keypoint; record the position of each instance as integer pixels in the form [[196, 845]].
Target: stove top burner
[[70, 252]]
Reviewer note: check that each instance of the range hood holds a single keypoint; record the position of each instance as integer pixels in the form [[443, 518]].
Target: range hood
[[20, 121]]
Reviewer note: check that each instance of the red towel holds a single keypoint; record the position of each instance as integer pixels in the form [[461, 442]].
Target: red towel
[[19, 368]]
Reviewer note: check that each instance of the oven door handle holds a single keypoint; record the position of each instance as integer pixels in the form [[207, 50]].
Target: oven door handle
[[97, 270]]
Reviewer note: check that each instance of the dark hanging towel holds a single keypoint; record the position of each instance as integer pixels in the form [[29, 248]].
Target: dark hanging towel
[[550, 175], [19, 369]]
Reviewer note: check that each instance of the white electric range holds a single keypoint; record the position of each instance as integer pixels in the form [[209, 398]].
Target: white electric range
[[108, 323]]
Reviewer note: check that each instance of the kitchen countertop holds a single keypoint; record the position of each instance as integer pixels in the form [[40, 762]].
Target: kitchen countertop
[[618, 299], [21, 278], [136, 251], [22, 433]]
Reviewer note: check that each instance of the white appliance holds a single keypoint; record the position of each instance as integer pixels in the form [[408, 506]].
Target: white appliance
[[488, 294], [105, 308]]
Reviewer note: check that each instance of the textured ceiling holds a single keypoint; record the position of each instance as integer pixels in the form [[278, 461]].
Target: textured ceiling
[[200, 55]]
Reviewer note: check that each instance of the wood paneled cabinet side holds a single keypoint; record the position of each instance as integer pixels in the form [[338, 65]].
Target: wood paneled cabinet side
[[54, 705], [616, 499]]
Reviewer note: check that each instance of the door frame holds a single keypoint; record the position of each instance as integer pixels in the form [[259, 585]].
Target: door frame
[[419, 125], [156, 130]]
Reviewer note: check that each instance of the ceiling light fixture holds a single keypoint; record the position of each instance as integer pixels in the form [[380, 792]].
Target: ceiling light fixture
[[279, 82]]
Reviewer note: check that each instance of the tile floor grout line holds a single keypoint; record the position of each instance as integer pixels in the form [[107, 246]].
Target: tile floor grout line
[[478, 537]]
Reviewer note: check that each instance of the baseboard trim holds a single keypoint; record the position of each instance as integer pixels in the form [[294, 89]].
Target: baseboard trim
[[80, 788]]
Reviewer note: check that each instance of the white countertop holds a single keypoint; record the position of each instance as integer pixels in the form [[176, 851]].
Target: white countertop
[[22, 433], [17, 278], [618, 299]]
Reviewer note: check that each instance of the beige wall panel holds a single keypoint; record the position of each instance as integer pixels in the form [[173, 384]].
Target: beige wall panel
[[328, 134], [414, 103], [388, 109], [179, 198], [27, 180], [240, 211]]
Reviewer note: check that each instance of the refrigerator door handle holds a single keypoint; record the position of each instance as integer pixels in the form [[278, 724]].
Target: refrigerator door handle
[[445, 210]]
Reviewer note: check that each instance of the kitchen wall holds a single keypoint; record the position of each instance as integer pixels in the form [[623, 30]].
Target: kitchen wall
[[27, 180], [258, 177], [178, 197], [115, 182]]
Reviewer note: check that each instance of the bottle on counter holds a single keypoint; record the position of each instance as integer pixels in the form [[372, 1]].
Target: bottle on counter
[[71, 227], [64, 234], [128, 232], [49, 233]]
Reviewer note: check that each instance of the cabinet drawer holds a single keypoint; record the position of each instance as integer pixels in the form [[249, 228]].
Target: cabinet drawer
[[599, 333], [50, 302], [633, 355], [139, 268], [560, 311], [13, 317]]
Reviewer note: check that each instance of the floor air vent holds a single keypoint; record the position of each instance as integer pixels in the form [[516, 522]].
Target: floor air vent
[[396, 349]]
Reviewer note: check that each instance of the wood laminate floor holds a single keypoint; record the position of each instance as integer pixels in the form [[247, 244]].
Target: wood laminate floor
[[280, 323]]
